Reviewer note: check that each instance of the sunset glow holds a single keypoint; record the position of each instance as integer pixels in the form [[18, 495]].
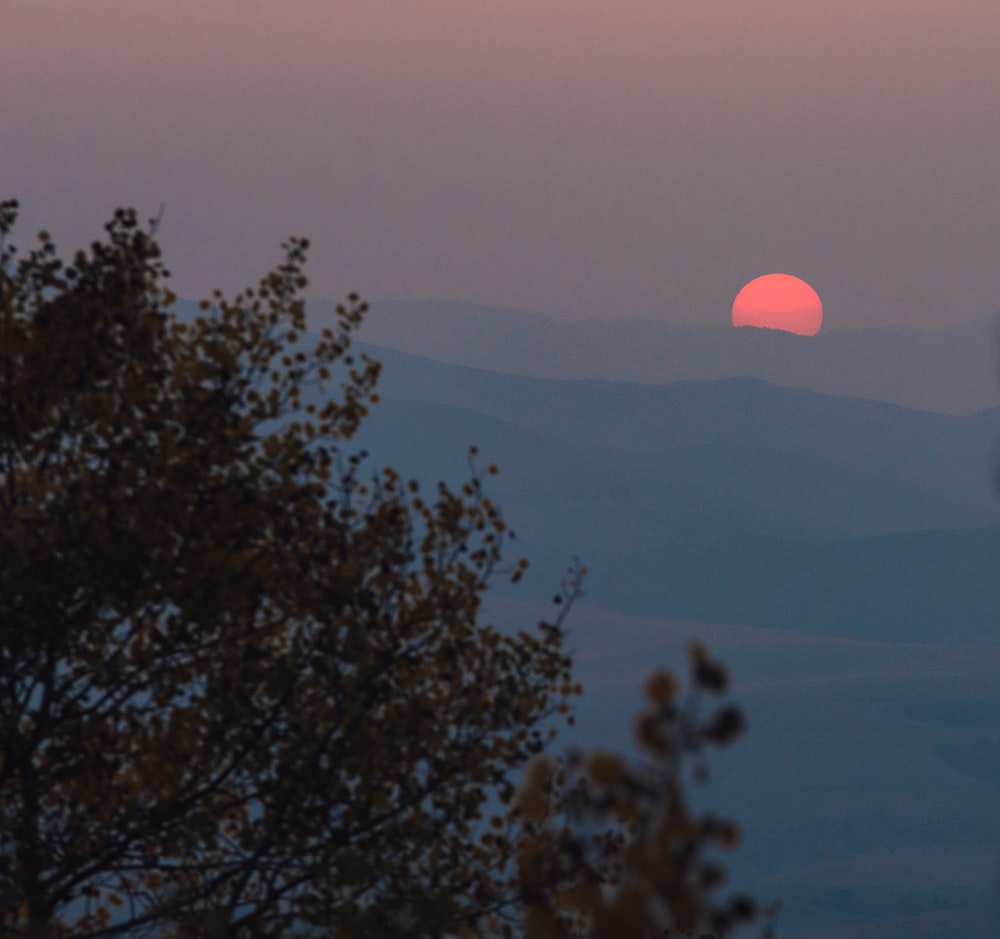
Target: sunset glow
[[779, 301], [761, 137]]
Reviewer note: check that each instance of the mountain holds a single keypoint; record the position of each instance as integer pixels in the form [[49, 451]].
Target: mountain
[[951, 370], [731, 500], [732, 433], [727, 501], [840, 555]]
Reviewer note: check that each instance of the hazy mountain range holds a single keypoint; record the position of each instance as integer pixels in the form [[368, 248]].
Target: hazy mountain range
[[729, 501], [839, 551], [953, 370], [842, 554]]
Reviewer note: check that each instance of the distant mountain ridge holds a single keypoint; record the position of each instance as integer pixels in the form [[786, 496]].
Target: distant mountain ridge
[[951, 370], [948, 457], [841, 554], [728, 501]]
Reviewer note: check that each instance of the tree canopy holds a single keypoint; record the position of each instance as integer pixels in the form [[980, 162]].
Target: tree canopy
[[245, 686]]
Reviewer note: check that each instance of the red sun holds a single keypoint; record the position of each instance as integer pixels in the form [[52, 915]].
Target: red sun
[[779, 301]]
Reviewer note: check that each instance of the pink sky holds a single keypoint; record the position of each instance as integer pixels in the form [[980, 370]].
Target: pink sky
[[577, 158]]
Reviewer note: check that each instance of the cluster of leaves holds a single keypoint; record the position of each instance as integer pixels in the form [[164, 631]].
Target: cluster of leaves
[[243, 691], [245, 687], [613, 848]]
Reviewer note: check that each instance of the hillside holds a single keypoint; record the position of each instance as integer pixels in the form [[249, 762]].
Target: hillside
[[950, 370], [733, 501]]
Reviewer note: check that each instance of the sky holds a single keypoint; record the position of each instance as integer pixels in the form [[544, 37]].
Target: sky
[[575, 158]]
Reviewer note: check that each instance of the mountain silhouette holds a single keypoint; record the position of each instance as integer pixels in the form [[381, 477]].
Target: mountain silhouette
[[952, 370]]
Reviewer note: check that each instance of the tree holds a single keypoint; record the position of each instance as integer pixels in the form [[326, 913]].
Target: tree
[[612, 847], [245, 688], [242, 690]]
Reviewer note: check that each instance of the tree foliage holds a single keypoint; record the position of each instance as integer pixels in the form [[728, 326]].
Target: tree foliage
[[245, 687], [239, 683], [613, 847]]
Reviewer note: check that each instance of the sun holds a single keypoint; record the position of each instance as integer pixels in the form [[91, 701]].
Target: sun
[[779, 301]]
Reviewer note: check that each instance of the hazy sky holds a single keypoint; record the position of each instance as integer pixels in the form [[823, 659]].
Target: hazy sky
[[579, 158]]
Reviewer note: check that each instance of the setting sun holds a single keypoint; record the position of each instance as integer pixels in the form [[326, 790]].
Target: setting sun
[[779, 301]]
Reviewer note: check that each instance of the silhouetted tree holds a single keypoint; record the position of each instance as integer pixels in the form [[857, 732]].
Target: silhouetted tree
[[239, 685], [611, 847], [245, 688]]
